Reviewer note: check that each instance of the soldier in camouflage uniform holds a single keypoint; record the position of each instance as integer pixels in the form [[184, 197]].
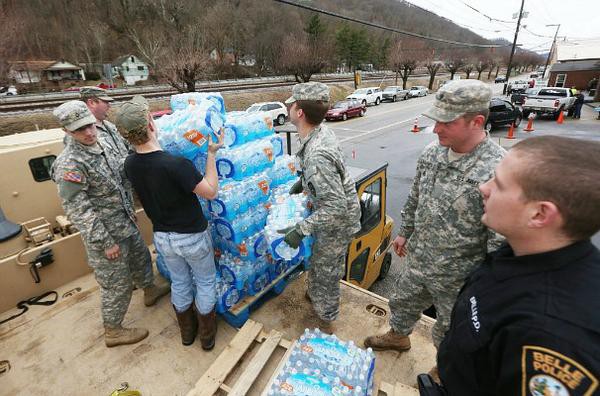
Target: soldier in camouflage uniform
[[335, 216], [442, 235], [98, 101], [96, 197]]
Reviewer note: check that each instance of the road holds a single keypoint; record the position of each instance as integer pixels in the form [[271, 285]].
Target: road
[[384, 135]]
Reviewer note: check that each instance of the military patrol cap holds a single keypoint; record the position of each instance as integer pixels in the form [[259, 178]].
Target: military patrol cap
[[73, 115], [457, 98], [132, 117], [309, 91], [95, 92]]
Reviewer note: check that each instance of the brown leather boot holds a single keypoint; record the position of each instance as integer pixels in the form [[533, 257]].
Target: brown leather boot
[[114, 336], [154, 292], [388, 341], [326, 326], [188, 325], [207, 329]]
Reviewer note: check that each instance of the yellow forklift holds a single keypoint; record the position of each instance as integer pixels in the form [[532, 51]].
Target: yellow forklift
[[368, 258]]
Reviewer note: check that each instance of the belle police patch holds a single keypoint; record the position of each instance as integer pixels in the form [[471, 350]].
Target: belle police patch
[[549, 373]]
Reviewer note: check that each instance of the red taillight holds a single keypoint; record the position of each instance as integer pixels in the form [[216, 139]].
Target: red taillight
[[556, 103]]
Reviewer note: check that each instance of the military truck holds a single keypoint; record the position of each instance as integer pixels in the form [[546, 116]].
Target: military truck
[[58, 349]]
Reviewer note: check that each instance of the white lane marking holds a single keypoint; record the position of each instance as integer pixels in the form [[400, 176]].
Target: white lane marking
[[376, 130]]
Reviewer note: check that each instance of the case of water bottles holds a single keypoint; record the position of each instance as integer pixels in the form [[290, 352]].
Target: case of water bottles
[[321, 364], [253, 203]]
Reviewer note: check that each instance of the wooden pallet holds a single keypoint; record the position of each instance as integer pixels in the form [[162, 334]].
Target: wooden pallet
[[255, 349], [240, 312], [250, 338]]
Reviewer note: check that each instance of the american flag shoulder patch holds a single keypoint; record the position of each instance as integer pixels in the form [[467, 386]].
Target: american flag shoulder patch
[[73, 176]]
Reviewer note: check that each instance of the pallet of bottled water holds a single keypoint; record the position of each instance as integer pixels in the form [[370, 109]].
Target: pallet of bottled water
[[322, 365]]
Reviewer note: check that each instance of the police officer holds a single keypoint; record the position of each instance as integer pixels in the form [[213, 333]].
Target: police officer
[[335, 216], [98, 101], [526, 322], [95, 197], [442, 235]]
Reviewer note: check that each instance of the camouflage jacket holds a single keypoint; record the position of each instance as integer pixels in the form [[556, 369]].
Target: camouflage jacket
[[331, 189], [110, 136], [442, 216], [95, 194]]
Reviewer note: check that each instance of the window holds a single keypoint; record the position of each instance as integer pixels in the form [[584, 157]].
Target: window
[[141, 68], [132, 59], [127, 68], [496, 106], [359, 266], [370, 205], [560, 80], [508, 106], [40, 167]]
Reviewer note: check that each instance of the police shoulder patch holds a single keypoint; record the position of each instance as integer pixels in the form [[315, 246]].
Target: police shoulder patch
[[547, 372]]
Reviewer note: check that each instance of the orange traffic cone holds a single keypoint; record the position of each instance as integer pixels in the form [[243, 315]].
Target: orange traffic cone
[[511, 132], [529, 127], [416, 126], [561, 117]]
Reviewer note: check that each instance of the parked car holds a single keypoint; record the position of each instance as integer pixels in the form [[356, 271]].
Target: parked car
[[549, 100], [157, 114], [417, 90], [500, 79], [8, 91], [345, 109], [369, 95], [502, 112], [519, 97], [393, 93], [276, 110], [518, 86], [104, 85]]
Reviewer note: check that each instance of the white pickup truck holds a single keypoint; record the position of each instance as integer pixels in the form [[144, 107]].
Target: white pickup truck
[[369, 95], [549, 100]]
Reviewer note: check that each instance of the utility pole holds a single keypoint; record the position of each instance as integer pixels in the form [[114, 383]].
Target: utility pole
[[514, 46], [551, 48]]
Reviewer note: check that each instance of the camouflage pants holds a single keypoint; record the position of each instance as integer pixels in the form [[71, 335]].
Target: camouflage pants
[[415, 292], [326, 269], [116, 277]]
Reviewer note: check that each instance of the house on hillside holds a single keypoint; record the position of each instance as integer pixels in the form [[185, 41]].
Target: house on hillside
[[131, 68], [229, 58], [577, 62], [27, 72]]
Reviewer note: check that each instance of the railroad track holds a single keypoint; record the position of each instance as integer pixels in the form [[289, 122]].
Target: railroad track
[[44, 104]]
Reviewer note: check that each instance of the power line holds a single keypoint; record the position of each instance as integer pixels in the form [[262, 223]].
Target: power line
[[487, 16], [376, 25], [535, 34]]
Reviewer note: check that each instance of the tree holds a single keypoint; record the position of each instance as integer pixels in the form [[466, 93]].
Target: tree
[[315, 29], [454, 64], [481, 66], [432, 65], [404, 57], [300, 57], [468, 68], [352, 46]]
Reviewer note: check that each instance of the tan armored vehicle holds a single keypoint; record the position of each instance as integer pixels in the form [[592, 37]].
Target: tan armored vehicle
[[58, 349]]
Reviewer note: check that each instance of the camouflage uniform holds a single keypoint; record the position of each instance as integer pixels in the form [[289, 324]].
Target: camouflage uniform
[[112, 139], [336, 210], [97, 199], [442, 223]]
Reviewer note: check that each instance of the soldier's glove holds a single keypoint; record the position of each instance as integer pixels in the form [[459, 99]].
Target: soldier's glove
[[293, 236], [296, 188]]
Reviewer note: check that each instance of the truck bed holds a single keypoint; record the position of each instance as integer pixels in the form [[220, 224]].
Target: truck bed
[[59, 350]]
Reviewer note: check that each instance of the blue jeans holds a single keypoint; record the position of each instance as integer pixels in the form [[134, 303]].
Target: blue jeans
[[191, 263]]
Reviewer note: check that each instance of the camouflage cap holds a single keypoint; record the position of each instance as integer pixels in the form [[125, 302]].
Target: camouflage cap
[[309, 91], [132, 117], [73, 115], [94, 92], [457, 98]]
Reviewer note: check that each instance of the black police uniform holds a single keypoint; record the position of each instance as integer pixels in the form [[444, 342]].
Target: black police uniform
[[527, 325]]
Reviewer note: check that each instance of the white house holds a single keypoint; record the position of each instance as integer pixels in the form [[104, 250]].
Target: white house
[[25, 72], [131, 68]]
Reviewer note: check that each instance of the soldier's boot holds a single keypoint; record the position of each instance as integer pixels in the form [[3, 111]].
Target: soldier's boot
[[154, 292], [435, 374], [119, 335], [188, 325], [390, 340], [207, 327], [326, 326]]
